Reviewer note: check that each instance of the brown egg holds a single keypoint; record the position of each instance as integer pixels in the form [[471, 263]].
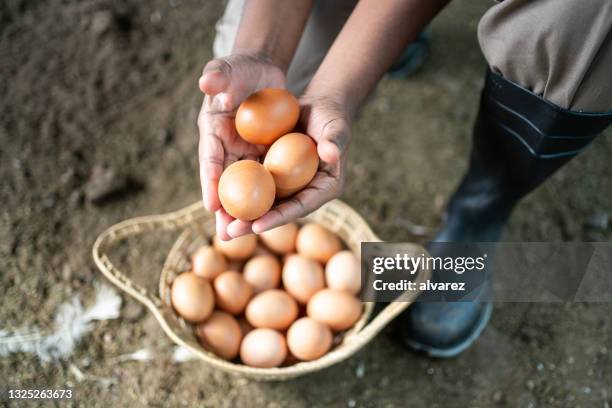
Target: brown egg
[[293, 161], [207, 262], [272, 309], [338, 310], [192, 297], [343, 272], [262, 272], [221, 334], [317, 242], [302, 277], [264, 348], [246, 190], [232, 292], [266, 115], [308, 339], [281, 239], [238, 248]]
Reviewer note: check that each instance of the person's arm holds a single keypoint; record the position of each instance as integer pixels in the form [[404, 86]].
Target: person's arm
[[369, 44], [272, 28], [268, 35], [373, 38], [269, 31]]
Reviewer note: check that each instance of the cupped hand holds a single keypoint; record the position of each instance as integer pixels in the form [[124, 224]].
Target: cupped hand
[[328, 122], [226, 82]]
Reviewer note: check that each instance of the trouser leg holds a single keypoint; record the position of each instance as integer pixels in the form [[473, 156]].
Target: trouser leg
[[325, 22], [560, 50], [544, 75], [540, 66]]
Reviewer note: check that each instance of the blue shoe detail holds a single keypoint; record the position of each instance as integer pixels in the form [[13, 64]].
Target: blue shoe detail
[[413, 57]]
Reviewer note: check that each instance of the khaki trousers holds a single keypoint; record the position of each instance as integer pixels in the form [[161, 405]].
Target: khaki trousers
[[558, 49]]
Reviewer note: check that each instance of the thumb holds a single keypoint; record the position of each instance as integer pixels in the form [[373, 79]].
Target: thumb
[[333, 142], [216, 77]]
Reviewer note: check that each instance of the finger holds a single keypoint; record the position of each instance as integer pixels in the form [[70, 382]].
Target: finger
[[238, 228], [321, 190], [333, 141], [328, 151], [211, 152], [216, 77], [222, 220]]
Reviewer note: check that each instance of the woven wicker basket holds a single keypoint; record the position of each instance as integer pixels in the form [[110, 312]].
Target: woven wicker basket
[[197, 226]]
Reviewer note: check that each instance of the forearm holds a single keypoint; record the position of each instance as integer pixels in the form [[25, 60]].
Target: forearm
[[371, 41], [272, 28]]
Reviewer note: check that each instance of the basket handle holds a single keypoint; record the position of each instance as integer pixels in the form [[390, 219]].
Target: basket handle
[[390, 312], [136, 226]]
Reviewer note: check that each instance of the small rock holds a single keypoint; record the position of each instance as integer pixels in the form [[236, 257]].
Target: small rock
[[76, 198], [105, 183], [498, 397], [586, 390], [351, 403], [132, 311], [540, 367], [68, 177], [101, 22], [598, 221], [86, 362], [66, 273], [155, 17], [49, 201], [165, 136], [530, 385], [360, 370]]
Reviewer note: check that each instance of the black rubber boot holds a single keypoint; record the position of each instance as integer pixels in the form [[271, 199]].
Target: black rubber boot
[[520, 139]]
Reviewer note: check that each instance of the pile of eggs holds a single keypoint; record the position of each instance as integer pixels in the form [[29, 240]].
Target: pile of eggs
[[271, 299], [248, 188]]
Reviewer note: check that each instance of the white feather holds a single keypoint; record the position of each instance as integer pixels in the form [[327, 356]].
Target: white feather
[[182, 354], [71, 323], [107, 305], [139, 355]]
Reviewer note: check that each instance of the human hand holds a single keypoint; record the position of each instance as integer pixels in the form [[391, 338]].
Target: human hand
[[226, 82], [328, 122]]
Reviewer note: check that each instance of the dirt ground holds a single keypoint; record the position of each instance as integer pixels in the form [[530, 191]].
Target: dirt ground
[[108, 89]]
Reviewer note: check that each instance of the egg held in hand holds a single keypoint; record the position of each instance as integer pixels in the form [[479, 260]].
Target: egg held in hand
[[308, 339], [192, 297], [264, 348], [293, 161], [221, 334], [246, 190], [266, 115]]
